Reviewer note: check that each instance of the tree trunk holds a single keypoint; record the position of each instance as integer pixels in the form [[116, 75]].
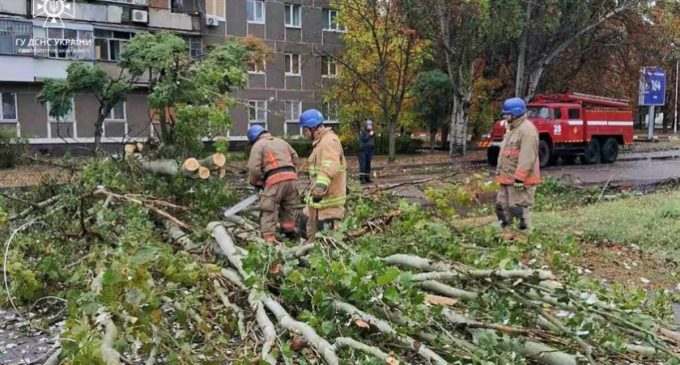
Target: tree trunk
[[452, 126], [433, 138], [392, 138], [457, 133], [99, 129], [165, 133], [520, 80]]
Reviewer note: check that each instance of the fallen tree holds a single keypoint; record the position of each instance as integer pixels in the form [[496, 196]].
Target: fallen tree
[[360, 295]]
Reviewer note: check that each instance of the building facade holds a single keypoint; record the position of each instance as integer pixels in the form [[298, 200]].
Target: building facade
[[36, 45]]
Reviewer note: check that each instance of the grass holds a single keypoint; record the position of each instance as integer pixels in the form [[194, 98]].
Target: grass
[[650, 221]]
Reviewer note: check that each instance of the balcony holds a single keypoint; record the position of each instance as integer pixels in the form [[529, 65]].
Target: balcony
[[17, 7], [125, 12]]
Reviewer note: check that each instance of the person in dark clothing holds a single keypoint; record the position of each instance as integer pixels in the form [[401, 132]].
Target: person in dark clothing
[[366, 149]]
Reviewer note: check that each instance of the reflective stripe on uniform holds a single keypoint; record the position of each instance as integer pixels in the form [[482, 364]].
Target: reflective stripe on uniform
[[323, 180], [326, 203]]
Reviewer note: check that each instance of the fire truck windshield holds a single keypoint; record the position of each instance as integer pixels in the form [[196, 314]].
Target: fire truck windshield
[[539, 112]]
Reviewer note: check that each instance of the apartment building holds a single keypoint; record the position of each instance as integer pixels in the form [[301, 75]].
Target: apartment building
[[290, 80]]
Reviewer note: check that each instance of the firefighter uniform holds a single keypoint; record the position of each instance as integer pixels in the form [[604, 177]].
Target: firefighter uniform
[[271, 167], [518, 173], [328, 191]]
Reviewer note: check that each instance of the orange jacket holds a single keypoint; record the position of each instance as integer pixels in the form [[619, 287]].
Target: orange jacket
[[518, 159], [272, 160], [328, 167]]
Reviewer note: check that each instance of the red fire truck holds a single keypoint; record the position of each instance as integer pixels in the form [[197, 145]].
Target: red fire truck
[[573, 125]]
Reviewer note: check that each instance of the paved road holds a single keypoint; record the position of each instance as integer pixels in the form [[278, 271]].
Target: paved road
[[633, 169]]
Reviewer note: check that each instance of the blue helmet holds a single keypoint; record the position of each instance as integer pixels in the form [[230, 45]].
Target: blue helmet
[[254, 132], [515, 107], [311, 118]]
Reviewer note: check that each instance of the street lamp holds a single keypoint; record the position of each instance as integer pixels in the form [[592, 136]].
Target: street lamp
[[677, 76]]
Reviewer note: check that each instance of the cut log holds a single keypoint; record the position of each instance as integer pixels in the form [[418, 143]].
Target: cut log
[[386, 328], [161, 167], [214, 162], [130, 149], [191, 164], [140, 146], [203, 173]]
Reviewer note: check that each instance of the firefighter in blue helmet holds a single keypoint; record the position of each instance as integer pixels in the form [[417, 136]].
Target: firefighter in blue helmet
[[271, 167], [518, 170], [325, 203]]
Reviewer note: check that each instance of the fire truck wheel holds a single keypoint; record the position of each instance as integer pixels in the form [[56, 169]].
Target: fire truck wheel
[[568, 159], [610, 150], [592, 153], [544, 153]]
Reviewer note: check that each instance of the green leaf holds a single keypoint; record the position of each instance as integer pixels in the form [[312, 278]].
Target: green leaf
[[327, 327], [388, 276]]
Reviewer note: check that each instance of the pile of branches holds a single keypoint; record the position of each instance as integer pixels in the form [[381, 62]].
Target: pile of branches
[[444, 328], [142, 281]]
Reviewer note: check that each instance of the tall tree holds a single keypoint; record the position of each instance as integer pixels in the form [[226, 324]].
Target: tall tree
[[379, 63], [433, 100], [458, 30], [90, 79], [550, 27]]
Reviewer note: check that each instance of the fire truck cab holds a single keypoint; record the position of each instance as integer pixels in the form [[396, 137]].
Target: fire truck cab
[[573, 125]]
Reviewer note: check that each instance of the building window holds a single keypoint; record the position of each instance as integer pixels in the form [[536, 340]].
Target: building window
[[115, 124], [70, 117], [109, 45], [15, 36], [293, 16], [195, 47], [118, 112], [8, 107], [65, 43], [292, 114], [255, 11], [292, 61], [330, 112], [178, 6], [330, 21], [257, 113], [329, 67], [256, 67], [215, 8]]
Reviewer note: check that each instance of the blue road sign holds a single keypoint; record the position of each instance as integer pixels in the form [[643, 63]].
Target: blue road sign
[[652, 86]]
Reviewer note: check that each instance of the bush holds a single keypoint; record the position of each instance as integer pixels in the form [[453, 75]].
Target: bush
[[11, 149]]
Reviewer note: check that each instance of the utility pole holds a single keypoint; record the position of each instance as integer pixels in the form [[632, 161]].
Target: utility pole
[[677, 75], [650, 124]]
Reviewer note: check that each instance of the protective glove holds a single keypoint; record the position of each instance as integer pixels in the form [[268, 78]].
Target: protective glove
[[519, 184], [318, 192]]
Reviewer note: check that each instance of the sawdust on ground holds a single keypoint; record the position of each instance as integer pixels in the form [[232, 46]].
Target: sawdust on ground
[[628, 265], [31, 175]]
